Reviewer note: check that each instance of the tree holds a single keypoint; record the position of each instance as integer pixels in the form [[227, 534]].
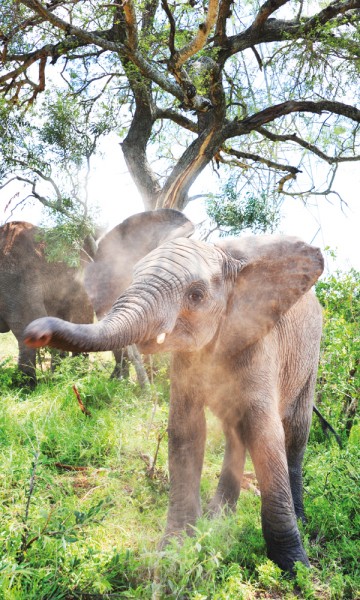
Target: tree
[[50, 150], [255, 86]]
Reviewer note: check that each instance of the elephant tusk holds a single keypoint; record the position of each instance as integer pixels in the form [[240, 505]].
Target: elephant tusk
[[161, 338]]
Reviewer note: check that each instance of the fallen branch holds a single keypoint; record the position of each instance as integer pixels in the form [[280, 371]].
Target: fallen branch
[[81, 404], [59, 465], [325, 425], [25, 544], [151, 463]]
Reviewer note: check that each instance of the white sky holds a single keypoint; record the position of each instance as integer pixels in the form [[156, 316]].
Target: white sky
[[320, 222]]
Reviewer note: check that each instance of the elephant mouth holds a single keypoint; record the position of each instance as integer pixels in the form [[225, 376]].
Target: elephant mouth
[[179, 339]]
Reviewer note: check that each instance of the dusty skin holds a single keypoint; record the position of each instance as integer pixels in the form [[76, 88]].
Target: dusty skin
[[32, 287], [110, 272], [244, 328]]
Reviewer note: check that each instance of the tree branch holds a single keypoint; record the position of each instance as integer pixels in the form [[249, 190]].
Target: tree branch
[[57, 206], [277, 30], [171, 20], [133, 54], [223, 15], [274, 137], [266, 10], [285, 108], [130, 23], [176, 117], [200, 38], [148, 15], [338, 7], [260, 159]]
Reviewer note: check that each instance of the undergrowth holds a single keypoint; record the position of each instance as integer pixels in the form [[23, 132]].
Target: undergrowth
[[84, 491], [83, 505]]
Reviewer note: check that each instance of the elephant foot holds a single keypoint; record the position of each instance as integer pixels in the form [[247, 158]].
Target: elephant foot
[[286, 554], [217, 508], [169, 536], [119, 373], [178, 531], [286, 562], [224, 500], [26, 381]]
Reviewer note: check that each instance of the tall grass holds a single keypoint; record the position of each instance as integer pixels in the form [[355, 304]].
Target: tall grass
[[83, 502], [83, 506]]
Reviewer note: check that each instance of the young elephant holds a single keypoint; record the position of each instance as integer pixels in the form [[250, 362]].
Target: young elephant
[[118, 250], [244, 330]]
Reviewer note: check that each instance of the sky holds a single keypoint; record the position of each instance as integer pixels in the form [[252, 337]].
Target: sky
[[321, 223]]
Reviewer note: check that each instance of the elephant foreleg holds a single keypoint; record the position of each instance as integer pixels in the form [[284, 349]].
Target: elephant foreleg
[[265, 440], [228, 489], [187, 433], [27, 364]]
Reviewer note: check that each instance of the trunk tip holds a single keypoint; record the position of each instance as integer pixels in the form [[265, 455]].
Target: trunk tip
[[39, 333]]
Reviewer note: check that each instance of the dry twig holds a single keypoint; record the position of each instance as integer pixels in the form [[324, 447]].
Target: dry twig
[[81, 404]]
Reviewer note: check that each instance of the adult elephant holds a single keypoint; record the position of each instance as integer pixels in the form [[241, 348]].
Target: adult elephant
[[110, 272], [32, 287], [244, 329]]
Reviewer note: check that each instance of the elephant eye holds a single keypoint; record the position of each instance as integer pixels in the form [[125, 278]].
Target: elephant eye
[[196, 296]]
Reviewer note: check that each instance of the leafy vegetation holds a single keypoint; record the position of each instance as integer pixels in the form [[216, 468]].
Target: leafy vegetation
[[233, 213], [266, 89], [339, 372], [83, 502]]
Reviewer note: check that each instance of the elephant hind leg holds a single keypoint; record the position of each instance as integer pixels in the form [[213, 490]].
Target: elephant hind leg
[[297, 426], [228, 489], [122, 364], [265, 439]]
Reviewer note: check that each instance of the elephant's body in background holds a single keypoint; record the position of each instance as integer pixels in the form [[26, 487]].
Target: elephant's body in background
[[244, 331], [32, 287]]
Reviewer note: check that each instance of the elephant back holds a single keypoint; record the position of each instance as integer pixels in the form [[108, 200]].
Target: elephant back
[[18, 244]]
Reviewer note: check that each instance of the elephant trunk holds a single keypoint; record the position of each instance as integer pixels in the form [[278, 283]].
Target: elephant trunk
[[135, 317]]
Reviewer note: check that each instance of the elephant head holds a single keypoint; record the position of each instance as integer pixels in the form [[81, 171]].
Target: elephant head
[[186, 294], [245, 336], [122, 247]]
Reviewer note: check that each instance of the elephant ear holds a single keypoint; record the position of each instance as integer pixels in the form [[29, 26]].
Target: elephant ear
[[272, 273], [121, 248]]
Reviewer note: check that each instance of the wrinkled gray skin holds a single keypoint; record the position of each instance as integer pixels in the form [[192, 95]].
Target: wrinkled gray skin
[[119, 250], [244, 332], [31, 287]]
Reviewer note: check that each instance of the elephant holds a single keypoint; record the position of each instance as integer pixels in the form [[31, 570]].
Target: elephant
[[32, 287], [243, 328], [110, 272]]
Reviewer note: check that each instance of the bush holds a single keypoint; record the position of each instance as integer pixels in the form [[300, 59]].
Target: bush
[[339, 369]]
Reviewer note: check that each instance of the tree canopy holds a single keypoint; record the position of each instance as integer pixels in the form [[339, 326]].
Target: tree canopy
[[258, 88]]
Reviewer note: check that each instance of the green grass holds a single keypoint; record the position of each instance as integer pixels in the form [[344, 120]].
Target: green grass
[[82, 511]]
